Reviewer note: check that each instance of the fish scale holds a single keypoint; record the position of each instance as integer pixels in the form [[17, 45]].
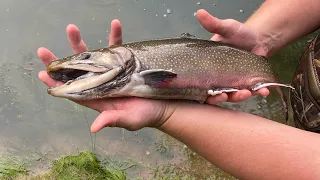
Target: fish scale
[[197, 56]]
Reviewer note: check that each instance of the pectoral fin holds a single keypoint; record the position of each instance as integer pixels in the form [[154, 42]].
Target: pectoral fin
[[221, 90], [158, 77]]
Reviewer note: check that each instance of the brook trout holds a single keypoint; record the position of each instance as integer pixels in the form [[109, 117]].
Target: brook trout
[[176, 68]]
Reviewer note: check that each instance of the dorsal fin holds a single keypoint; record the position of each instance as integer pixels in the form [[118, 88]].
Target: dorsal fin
[[188, 35]]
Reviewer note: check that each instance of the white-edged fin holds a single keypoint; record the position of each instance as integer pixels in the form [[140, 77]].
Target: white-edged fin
[[157, 77], [221, 90], [262, 85]]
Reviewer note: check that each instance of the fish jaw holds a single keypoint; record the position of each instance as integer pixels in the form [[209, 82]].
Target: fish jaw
[[86, 73], [71, 88], [86, 61]]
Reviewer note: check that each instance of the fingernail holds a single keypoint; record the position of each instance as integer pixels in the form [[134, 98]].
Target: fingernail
[[219, 99], [241, 97]]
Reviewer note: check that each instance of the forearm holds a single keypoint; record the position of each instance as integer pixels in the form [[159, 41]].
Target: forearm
[[246, 146], [281, 22]]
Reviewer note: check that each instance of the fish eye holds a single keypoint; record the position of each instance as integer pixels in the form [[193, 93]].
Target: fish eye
[[85, 56]]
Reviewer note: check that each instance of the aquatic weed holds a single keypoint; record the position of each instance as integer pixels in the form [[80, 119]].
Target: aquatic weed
[[82, 166]]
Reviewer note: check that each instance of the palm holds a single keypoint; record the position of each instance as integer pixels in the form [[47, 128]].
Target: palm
[[131, 113]]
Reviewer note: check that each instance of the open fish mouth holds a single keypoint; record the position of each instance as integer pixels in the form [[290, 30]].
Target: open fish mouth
[[87, 74], [77, 80], [65, 75]]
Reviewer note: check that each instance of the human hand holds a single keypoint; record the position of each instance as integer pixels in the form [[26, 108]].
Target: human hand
[[236, 33], [130, 113]]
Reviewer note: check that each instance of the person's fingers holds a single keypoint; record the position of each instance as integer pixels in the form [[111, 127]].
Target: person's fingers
[[209, 22], [45, 78], [217, 99], [115, 33], [106, 119], [239, 96], [97, 105], [236, 96], [45, 55], [75, 40], [262, 92], [114, 118], [225, 28], [230, 97]]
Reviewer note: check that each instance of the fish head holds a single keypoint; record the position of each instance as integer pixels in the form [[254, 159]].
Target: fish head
[[90, 74]]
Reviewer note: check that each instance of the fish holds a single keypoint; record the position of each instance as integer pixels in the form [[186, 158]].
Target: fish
[[183, 68]]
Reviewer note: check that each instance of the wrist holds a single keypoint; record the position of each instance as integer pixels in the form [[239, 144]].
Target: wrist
[[168, 109], [174, 114], [180, 115], [267, 41], [168, 118]]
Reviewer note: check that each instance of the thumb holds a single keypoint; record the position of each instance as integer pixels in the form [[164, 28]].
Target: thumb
[[224, 28], [114, 118]]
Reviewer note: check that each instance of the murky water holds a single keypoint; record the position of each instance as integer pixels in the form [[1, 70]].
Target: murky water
[[42, 128]]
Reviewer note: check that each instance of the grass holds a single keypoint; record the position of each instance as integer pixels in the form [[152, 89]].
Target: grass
[[12, 171], [86, 165], [83, 166], [11, 168]]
